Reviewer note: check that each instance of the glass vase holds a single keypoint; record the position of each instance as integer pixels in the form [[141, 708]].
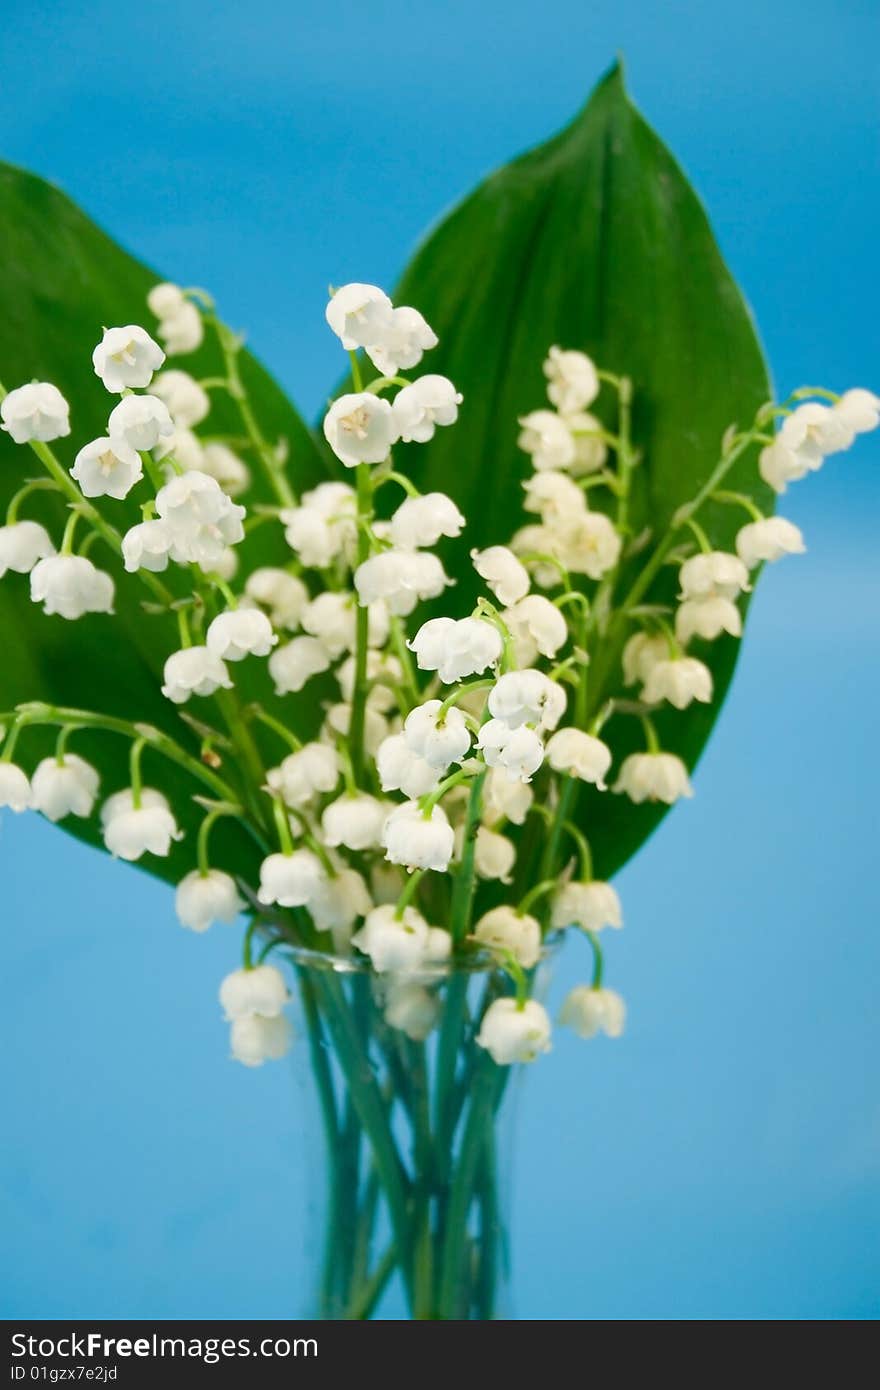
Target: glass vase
[[411, 1180]]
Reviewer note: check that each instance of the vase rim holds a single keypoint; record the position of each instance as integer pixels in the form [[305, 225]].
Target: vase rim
[[478, 962]]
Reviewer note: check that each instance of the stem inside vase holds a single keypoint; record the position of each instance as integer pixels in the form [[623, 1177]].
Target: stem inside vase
[[412, 1149]]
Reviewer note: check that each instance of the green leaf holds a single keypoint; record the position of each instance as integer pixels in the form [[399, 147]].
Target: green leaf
[[593, 241], [63, 279]]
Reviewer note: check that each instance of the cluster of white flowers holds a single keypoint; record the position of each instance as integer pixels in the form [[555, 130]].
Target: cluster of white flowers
[[430, 740]]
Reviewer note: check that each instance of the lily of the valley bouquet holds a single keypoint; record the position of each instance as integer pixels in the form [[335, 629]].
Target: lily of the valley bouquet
[[418, 725]]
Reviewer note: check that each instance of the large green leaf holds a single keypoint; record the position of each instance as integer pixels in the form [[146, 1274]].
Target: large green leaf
[[593, 241], [62, 280]]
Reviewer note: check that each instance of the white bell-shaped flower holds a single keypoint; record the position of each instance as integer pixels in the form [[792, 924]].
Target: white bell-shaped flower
[[641, 653], [402, 342], [187, 401], [504, 799], [678, 680], [527, 697], [201, 899], [536, 626], [537, 545], [504, 574], [254, 1040], [165, 300], [22, 544], [456, 649], [586, 543], [283, 594], [438, 742], [590, 449], [592, 906], [140, 422], [716, 574], [187, 451], [70, 586], [760, 542], [580, 754], [230, 471], [589, 1011], [292, 665], [291, 880], [391, 942], [547, 438], [439, 947], [359, 315], [400, 769], [411, 1009], [418, 841], [107, 468], [572, 381], [859, 410], [147, 546], [519, 752], [653, 777], [360, 428], [553, 495], [240, 632], [311, 771], [193, 671], [15, 789], [512, 1033], [332, 617], [182, 331], [260, 990], [504, 929], [339, 902], [126, 358], [311, 536], [421, 521], [821, 427], [203, 520], [354, 821], [494, 854], [323, 526], [402, 578], [65, 786], [37, 411], [130, 831], [707, 618], [226, 565], [420, 408], [780, 463]]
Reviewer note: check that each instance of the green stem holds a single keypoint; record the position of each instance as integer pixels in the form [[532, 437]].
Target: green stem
[[359, 693], [369, 1294], [409, 892], [282, 825], [274, 473], [93, 516], [487, 1089], [367, 1100], [41, 714], [134, 763], [202, 860], [720, 471], [35, 485], [280, 729], [598, 960]]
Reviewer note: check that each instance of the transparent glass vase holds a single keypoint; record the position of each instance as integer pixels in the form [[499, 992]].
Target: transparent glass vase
[[410, 1174]]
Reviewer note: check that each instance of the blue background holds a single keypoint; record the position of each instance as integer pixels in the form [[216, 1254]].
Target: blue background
[[723, 1159]]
